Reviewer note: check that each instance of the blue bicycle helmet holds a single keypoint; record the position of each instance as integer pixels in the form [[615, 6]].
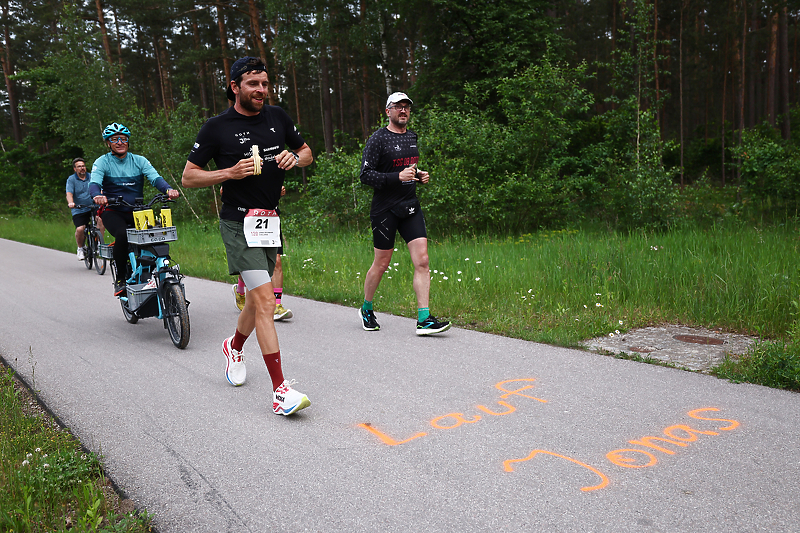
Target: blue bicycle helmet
[[115, 128]]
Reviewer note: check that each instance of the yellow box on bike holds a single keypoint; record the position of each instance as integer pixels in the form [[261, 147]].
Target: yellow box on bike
[[166, 217], [144, 219]]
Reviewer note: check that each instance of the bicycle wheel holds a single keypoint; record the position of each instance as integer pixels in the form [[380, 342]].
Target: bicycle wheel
[[129, 316], [99, 262], [176, 316], [87, 250]]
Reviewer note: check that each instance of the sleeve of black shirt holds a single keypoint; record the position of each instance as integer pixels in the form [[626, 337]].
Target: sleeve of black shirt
[[370, 165]]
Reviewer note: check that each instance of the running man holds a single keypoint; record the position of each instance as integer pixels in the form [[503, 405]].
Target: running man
[[389, 166], [252, 181]]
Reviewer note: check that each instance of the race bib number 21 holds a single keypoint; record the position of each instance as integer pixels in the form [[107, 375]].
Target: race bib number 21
[[262, 228]]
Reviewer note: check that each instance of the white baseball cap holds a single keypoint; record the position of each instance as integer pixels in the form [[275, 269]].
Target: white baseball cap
[[397, 97]]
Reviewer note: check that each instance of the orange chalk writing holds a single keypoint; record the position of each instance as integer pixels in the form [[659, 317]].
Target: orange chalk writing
[[619, 459], [734, 423], [510, 409], [647, 442], [517, 391], [454, 420], [690, 431], [634, 458], [458, 417], [386, 438], [604, 480]]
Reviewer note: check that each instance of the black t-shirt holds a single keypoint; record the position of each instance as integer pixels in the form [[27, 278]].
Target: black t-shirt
[[386, 154], [229, 137]]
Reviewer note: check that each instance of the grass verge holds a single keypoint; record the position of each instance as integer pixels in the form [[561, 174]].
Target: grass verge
[[49, 483]]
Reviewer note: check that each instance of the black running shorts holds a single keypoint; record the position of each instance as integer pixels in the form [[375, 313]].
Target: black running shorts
[[387, 224]]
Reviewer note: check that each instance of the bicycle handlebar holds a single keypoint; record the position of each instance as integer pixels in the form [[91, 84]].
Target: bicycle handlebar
[[161, 197]]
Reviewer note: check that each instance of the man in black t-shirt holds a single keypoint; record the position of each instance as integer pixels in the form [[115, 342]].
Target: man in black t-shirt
[[247, 142], [389, 166]]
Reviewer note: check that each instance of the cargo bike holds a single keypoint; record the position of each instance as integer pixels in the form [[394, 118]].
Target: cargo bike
[[154, 284]]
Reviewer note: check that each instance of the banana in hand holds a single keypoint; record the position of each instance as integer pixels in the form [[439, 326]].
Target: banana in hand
[[256, 160]]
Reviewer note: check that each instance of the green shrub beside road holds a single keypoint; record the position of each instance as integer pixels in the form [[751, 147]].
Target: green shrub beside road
[[49, 483]]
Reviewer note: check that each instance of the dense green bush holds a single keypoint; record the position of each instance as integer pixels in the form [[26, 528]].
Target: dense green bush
[[335, 195], [770, 167]]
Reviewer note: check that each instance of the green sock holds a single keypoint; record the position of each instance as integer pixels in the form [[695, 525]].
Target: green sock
[[367, 306], [423, 313]]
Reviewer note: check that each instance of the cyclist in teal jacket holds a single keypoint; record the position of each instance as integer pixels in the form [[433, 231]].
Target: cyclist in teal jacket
[[122, 174]]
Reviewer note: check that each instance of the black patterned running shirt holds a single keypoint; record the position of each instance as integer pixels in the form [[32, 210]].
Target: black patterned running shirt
[[385, 155]]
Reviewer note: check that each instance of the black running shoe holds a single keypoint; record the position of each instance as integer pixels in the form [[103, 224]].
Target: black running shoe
[[119, 288], [431, 325], [368, 321]]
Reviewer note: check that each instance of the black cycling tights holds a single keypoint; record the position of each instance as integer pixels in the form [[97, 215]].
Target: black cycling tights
[[117, 224]]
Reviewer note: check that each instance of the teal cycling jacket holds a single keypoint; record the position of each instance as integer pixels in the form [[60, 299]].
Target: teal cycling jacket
[[124, 177]]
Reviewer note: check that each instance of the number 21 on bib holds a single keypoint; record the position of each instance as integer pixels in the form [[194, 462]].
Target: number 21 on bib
[[262, 228]]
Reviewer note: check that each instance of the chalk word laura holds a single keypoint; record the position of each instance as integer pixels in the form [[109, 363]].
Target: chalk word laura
[[454, 420], [679, 435]]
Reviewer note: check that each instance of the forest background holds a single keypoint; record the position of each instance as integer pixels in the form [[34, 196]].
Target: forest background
[[532, 114]]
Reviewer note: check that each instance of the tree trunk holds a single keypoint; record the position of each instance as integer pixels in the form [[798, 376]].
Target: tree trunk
[[119, 49], [325, 97], [724, 97], [256, 26], [659, 114], [680, 85], [162, 75], [387, 80], [339, 90], [297, 106], [365, 101], [743, 54], [8, 71], [751, 80], [772, 67], [202, 74], [783, 55], [223, 45], [102, 20]]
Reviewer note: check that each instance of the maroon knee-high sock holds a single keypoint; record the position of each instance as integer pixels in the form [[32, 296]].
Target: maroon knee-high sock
[[273, 362], [238, 341]]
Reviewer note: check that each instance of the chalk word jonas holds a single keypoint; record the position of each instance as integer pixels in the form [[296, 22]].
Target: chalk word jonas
[[679, 435], [454, 420]]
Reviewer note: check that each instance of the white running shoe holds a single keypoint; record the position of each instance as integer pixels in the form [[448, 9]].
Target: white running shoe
[[235, 370], [239, 299], [282, 313], [81, 254], [287, 401]]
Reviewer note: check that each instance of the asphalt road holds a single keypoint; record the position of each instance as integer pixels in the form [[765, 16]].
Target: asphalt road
[[459, 432]]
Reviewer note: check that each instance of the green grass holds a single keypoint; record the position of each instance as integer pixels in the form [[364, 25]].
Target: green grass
[[774, 364], [565, 287], [47, 482], [556, 287]]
